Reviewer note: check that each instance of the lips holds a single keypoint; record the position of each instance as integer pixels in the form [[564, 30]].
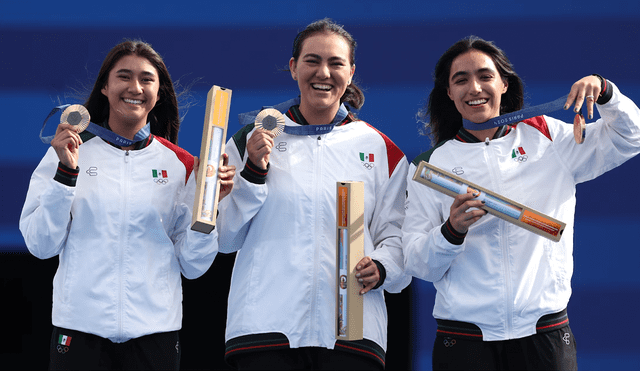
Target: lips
[[323, 87], [477, 102], [132, 101]]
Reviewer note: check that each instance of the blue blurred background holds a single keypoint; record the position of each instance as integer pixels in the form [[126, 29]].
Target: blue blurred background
[[51, 53]]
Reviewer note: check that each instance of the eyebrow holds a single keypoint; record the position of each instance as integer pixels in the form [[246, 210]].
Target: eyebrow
[[465, 73], [312, 55], [146, 73]]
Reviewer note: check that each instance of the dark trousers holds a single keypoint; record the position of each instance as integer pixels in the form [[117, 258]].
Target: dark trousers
[[554, 350], [75, 350], [307, 358]]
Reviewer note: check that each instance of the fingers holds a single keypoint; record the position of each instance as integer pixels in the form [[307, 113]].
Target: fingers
[[66, 143], [259, 147], [226, 173], [367, 274], [461, 217], [196, 166], [588, 88]]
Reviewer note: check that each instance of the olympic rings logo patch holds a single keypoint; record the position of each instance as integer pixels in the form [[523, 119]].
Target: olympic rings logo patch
[[161, 181], [62, 350], [368, 165], [521, 158], [449, 342]]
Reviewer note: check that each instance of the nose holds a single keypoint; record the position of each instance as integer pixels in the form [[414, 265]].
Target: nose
[[323, 71], [476, 87], [135, 87]]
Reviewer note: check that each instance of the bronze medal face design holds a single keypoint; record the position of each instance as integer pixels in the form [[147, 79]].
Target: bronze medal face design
[[76, 115], [270, 119]]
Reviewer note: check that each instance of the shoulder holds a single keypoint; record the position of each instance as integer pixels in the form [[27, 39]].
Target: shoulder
[[539, 123], [183, 155], [426, 156], [394, 153], [240, 138]]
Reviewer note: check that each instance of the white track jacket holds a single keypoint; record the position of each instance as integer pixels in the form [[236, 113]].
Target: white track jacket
[[285, 233], [503, 278], [123, 236]]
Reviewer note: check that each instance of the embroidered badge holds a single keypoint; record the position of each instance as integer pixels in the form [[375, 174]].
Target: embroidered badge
[[518, 154], [64, 341], [367, 160], [160, 176], [449, 342]]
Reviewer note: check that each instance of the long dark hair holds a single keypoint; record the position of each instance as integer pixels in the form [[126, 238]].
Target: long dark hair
[[353, 95], [164, 117], [440, 115]]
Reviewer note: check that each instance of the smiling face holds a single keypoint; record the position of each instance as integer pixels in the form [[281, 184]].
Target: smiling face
[[323, 72], [132, 90], [475, 86]]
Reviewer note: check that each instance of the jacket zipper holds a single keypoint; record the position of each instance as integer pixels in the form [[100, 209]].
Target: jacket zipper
[[504, 246], [313, 320], [123, 243]]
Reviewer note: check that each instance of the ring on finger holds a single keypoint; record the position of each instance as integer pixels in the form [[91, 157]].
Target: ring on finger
[[590, 97]]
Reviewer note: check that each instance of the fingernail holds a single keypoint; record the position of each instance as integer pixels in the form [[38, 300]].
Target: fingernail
[[359, 267], [357, 274], [360, 280], [483, 202], [576, 110], [566, 106], [591, 116]]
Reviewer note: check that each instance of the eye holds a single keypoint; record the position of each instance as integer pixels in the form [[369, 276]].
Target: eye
[[460, 81]]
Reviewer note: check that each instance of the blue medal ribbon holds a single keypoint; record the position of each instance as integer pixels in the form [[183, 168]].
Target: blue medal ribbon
[[517, 116], [250, 117], [100, 131]]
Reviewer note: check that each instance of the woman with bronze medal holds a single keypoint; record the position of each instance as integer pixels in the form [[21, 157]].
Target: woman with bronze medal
[[281, 218], [502, 291], [115, 205]]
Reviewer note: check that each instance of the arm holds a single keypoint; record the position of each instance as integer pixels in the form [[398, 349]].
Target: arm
[[195, 250], [429, 240], [46, 214], [386, 233], [610, 141], [249, 194]]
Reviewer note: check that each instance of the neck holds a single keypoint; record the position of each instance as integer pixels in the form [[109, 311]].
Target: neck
[[318, 117], [125, 129], [482, 135]]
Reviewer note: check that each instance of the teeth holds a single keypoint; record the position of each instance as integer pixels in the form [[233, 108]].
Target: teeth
[[476, 102], [321, 87], [133, 101]]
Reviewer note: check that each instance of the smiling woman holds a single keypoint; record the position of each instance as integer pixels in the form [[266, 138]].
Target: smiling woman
[[520, 281], [121, 227], [132, 91], [281, 312]]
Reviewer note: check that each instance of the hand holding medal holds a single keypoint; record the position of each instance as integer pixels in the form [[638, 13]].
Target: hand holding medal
[[67, 141]]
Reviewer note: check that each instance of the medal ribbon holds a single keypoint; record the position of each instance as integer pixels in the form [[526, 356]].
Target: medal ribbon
[[250, 118], [517, 116], [98, 130]]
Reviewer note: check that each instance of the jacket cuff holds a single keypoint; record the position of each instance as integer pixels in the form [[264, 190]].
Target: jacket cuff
[[454, 237], [254, 174], [383, 274], [607, 90], [66, 175]]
